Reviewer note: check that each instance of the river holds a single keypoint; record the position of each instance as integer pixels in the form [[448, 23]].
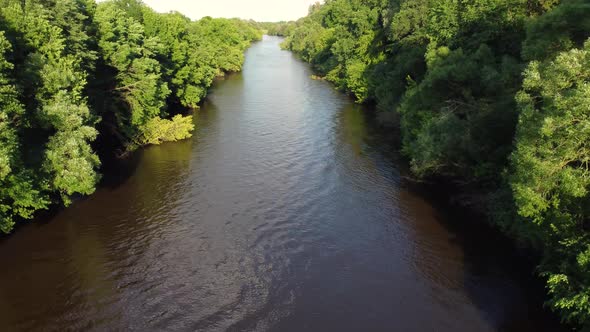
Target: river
[[287, 211]]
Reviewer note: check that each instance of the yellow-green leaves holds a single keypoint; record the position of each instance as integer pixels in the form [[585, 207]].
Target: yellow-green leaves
[[551, 157], [159, 130], [551, 174]]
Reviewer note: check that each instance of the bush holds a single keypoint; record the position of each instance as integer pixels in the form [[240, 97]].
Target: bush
[[158, 130]]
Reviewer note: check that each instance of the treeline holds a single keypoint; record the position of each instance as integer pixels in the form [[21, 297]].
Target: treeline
[[493, 94], [282, 28], [72, 71]]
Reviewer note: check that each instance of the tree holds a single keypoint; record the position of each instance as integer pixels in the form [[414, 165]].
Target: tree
[[140, 86], [551, 175], [18, 195]]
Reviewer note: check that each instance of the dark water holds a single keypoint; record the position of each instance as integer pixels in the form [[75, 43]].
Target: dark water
[[285, 212]]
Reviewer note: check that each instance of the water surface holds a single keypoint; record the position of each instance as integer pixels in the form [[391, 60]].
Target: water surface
[[287, 211]]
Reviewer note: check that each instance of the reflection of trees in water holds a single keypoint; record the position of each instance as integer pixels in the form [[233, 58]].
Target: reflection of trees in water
[[162, 173], [433, 251], [86, 253], [352, 127], [464, 260], [371, 142], [64, 265], [459, 265]]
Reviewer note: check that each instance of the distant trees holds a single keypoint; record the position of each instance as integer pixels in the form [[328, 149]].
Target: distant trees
[[70, 67], [492, 94], [282, 29]]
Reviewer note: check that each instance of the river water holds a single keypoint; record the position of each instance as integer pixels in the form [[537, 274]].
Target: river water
[[287, 211]]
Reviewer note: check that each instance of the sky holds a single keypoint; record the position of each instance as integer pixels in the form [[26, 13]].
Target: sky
[[259, 10]]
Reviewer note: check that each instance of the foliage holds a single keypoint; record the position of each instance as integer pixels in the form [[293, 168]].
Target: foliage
[[159, 130], [282, 28], [551, 177], [50, 77], [125, 47], [195, 52], [18, 195], [164, 59]]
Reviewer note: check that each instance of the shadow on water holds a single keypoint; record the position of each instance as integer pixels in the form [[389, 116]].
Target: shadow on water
[[114, 170], [74, 258], [486, 251], [514, 296]]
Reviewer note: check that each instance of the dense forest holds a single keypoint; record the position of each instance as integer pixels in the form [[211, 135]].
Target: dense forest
[[76, 77], [491, 94]]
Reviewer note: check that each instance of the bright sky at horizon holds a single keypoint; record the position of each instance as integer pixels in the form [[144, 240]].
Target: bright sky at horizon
[[259, 10]]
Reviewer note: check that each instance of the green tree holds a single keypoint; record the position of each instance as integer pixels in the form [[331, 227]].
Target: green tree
[[18, 195], [125, 47], [51, 77], [551, 175]]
